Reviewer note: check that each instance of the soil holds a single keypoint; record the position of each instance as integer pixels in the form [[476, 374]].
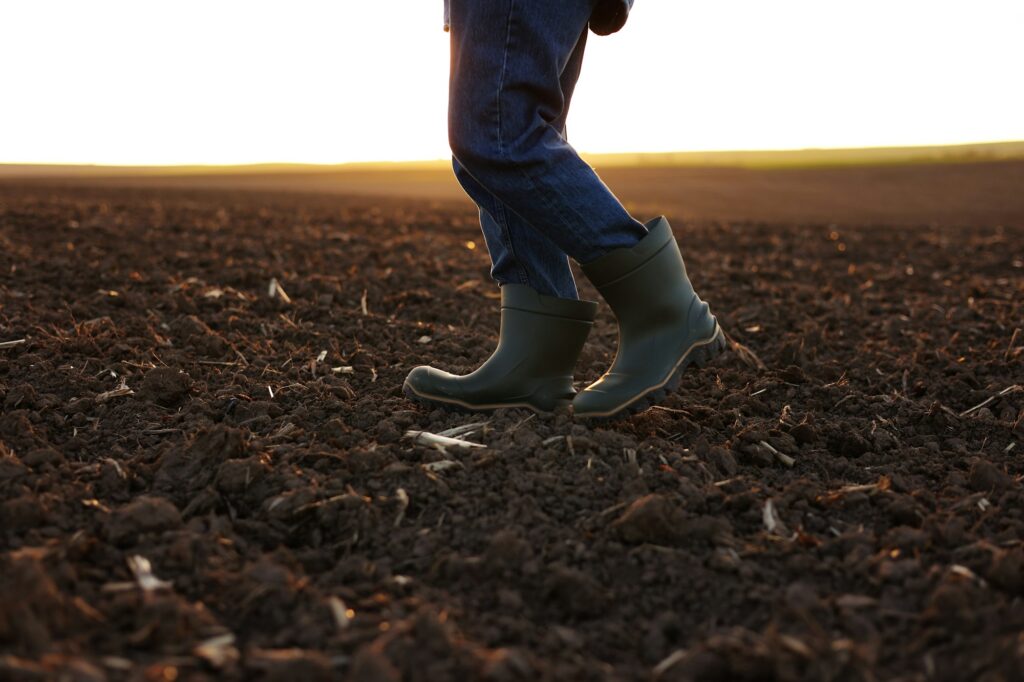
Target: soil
[[200, 480]]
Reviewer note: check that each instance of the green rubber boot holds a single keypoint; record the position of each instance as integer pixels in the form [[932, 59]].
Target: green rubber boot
[[541, 339], [663, 325]]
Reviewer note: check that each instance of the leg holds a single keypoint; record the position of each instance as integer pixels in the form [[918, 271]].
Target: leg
[[506, 170], [514, 65], [519, 253]]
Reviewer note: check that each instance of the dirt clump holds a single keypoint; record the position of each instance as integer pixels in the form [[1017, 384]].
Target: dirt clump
[[145, 514], [652, 518], [166, 386], [987, 477]]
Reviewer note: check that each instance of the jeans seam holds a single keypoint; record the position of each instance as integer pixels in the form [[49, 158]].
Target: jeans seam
[[501, 217], [504, 71], [498, 204]]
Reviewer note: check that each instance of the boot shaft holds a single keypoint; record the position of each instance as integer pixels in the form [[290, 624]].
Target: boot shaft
[[541, 335], [647, 284]]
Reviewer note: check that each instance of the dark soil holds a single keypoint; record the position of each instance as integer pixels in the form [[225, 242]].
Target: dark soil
[[247, 505]]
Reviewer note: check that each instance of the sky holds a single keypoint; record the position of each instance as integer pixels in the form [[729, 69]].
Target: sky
[[246, 81]]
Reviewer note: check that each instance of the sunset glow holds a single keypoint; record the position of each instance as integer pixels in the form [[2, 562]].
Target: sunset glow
[[118, 82]]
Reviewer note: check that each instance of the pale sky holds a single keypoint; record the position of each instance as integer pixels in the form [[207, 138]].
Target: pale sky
[[233, 81]]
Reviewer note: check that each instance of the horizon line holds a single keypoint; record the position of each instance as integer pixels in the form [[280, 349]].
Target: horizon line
[[1010, 148]]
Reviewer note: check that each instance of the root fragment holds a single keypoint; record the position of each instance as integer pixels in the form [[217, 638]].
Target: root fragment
[[11, 344], [668, 662], [630, 454], [464, 430], [117, 467], [143, 572], [441, 465], [883, 484], [673, 410], [1006, 356], [218, 651], [443, 442], [119, 392], [276, 291], [781, 456], [403, 504], [796, 646], [746, 356], [772, 523], [988, 401]]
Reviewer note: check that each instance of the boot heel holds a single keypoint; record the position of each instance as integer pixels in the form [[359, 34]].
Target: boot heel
[[703, 355]]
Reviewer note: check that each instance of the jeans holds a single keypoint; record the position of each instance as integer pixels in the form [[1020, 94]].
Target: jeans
[[514, 66]]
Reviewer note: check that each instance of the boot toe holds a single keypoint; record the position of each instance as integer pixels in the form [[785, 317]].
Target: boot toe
[[607, 397], [592, 403], [427, 382]]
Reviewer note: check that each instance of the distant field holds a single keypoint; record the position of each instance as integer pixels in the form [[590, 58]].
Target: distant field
[[795, 158], [820, 158], [939, 192]]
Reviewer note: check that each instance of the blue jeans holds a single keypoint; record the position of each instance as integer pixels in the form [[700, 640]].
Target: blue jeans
[[514, 67]]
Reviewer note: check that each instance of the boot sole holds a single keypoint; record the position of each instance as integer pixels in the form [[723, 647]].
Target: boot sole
[[699, 354], [461, 406]]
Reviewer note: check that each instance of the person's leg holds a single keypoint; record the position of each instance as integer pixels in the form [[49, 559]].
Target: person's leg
[[514, 66], [519, 253]]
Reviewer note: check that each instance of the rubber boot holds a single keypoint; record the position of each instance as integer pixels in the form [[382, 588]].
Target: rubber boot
[[663, 325], [540, 341]]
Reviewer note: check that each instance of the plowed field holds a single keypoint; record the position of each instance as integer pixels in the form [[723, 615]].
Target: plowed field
[[204, 475]]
